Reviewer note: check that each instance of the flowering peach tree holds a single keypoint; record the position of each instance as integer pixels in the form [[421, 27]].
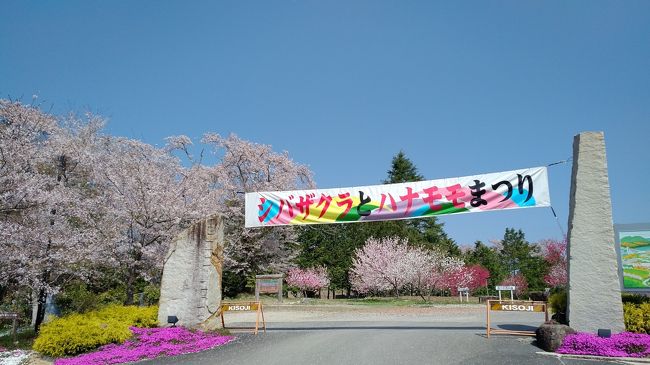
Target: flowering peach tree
[[554, 253], [518, 281], [310, 279]]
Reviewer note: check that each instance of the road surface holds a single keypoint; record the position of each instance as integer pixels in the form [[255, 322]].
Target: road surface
[[365, 335]]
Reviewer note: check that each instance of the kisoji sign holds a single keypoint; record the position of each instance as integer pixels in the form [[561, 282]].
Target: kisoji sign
[[524, 188]]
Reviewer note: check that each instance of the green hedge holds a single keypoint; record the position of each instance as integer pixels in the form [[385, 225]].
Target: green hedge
[[637, 317], [77, 333]]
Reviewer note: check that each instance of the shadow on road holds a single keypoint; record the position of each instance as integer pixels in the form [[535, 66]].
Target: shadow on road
[[517, 327]]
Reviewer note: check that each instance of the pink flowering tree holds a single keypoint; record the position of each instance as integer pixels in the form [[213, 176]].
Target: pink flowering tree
[[76, 203], [480, 276], [446, 273], [391, 264], [243, 167], [555, 254], [147, 198], [380, 265], [519, 281], [310, 279], [44, 200], [471, 277]]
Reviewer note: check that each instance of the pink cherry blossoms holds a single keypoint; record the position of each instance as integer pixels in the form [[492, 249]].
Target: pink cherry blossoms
[[554, 253], [391, 264], [76, 203], [308, 279]]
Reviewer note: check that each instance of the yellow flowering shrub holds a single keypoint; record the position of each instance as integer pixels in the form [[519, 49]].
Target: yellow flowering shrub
[[637, 317], [77, 333]]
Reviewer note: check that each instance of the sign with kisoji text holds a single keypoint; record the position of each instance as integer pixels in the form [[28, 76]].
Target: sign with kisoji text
[[240, 307], [515, 189], [518, 306]]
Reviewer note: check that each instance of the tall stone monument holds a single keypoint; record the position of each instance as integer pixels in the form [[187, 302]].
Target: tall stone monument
[[594, 299], [191, 280]]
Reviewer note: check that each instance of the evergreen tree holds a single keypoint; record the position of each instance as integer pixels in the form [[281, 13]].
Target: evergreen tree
[[519, 256], [488, 257], [402, 170], [420, 231], [333, 245]]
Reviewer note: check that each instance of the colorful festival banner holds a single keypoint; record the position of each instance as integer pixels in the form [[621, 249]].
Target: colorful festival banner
[[525, 188]]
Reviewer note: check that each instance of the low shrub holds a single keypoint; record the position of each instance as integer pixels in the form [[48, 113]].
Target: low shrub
[[637, 317], [635, 299], [77, 333], [78, 298], [558, 303]]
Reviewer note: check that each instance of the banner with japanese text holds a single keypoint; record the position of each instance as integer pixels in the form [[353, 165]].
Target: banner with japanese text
[[524, 188]]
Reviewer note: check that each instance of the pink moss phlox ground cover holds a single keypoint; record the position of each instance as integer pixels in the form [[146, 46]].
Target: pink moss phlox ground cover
[[149, 343], [624, 344]]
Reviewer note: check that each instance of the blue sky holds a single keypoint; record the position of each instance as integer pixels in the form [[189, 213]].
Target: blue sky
[[463, 87]]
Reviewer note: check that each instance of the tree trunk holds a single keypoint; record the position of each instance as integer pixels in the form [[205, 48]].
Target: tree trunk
[[40, 311], [130, 292]]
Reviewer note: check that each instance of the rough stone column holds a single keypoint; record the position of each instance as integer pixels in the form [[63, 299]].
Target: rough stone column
[[594, 299], [191, 280]]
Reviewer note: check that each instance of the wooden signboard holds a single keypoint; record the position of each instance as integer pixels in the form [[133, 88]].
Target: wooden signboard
[[525, 306], [268, 284], [243, 307], [14, 318]]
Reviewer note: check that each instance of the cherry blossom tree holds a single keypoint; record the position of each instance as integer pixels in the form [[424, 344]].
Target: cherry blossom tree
[[380, 265], [554, 252], [308, 279], [147, 198], [391, 263], [246, 167], [44, 197]]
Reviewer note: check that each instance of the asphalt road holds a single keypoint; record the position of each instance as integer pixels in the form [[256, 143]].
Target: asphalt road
[[359, 337]]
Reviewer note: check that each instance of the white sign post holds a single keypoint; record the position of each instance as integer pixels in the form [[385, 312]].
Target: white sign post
[[512, 288], [462, 291]]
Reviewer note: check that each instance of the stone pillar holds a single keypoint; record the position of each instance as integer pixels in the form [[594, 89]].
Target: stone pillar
[[191, 280], [594, 298]]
